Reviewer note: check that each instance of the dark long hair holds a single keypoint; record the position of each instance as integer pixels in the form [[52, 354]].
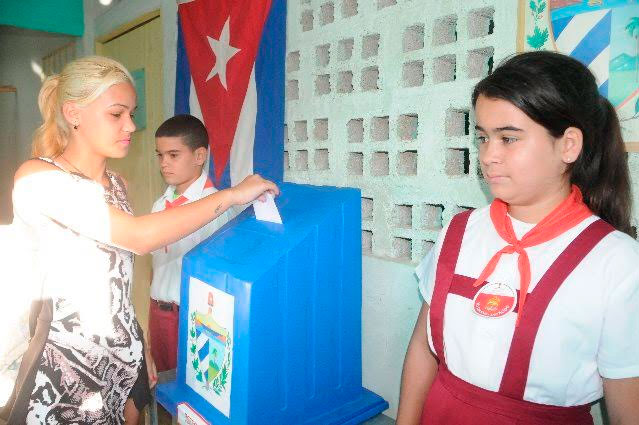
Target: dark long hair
[[557, 92]]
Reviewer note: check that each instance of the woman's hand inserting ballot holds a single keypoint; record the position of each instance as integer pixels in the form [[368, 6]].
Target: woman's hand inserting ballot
[[251, 188]]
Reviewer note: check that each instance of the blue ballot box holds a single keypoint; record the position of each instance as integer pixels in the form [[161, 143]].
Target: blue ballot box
[[270, 317]]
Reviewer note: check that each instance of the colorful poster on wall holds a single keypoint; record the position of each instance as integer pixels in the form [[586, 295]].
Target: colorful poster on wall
[[604, 35], [210, 344]]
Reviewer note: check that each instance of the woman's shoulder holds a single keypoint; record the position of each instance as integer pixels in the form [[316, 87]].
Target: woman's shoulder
[[39, 175], [35, 165]]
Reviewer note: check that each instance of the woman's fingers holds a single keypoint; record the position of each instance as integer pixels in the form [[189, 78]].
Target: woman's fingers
[[151, 370], [153, 378], [253, 187], [267, 185], [272, 188]]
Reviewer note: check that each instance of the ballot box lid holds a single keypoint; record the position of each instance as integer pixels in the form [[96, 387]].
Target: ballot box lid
[[246, 247]]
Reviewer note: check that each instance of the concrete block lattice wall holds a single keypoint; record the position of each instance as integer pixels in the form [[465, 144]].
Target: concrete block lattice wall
[[377, 97]]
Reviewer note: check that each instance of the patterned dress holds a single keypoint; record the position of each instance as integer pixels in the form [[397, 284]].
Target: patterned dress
[[88, 367]]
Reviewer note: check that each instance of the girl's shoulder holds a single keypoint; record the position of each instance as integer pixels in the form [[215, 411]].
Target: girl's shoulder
[[477, 217], [478, 221], [613, 262], [621, 248]]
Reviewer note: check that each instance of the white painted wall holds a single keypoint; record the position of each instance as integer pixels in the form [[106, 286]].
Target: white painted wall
[[390, 304]]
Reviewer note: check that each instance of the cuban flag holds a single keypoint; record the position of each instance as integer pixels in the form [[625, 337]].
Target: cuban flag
[[230, 74]]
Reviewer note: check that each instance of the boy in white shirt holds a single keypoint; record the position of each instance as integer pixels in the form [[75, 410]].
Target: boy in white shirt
[[182, 148]]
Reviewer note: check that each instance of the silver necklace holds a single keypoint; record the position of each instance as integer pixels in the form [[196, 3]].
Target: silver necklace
[[71, 164], [80, 171]]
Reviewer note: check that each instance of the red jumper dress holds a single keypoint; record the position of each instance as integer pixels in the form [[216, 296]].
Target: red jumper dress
[[452, 400]]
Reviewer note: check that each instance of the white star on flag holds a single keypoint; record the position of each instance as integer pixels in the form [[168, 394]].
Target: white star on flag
[[223, 53]]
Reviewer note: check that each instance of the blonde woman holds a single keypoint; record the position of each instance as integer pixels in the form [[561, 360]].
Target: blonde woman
[[85, 362]]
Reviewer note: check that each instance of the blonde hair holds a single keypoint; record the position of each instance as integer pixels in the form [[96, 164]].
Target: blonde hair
[[81, 81]]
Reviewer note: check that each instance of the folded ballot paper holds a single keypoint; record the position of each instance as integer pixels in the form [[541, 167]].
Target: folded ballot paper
[[267, 211]]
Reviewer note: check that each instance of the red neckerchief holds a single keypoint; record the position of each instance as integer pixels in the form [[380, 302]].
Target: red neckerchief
[[565, 216], [182, 199], [176, 202]]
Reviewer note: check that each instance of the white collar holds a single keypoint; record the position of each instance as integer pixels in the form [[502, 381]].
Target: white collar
[[191, 192]]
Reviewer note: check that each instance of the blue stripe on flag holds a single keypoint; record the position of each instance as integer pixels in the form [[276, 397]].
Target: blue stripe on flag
[[603, 89], [268, 158], [182, 75], [597, 39], [558, 25]]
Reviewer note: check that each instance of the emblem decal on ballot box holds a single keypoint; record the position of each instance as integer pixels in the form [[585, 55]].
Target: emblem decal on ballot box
[[210, 345], [494, 300]]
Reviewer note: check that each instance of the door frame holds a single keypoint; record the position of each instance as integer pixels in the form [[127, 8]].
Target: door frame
[[124, 28]]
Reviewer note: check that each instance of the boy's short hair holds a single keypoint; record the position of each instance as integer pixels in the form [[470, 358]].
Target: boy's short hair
[[189, 128]]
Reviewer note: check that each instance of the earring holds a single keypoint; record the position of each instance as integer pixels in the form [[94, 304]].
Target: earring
[[75, 126]]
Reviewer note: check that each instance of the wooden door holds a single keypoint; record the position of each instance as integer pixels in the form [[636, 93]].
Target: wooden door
[[139, 48]]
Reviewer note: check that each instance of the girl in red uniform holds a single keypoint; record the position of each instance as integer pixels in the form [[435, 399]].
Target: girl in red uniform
[[531, 304]]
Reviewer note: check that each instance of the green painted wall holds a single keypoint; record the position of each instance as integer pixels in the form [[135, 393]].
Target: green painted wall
[[59, 16]]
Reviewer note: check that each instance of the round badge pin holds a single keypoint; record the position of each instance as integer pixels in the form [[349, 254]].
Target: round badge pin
[[494, 300]]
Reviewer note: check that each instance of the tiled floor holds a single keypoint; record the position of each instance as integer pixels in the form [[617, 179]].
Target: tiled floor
[[380, 420], [165, 419]]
